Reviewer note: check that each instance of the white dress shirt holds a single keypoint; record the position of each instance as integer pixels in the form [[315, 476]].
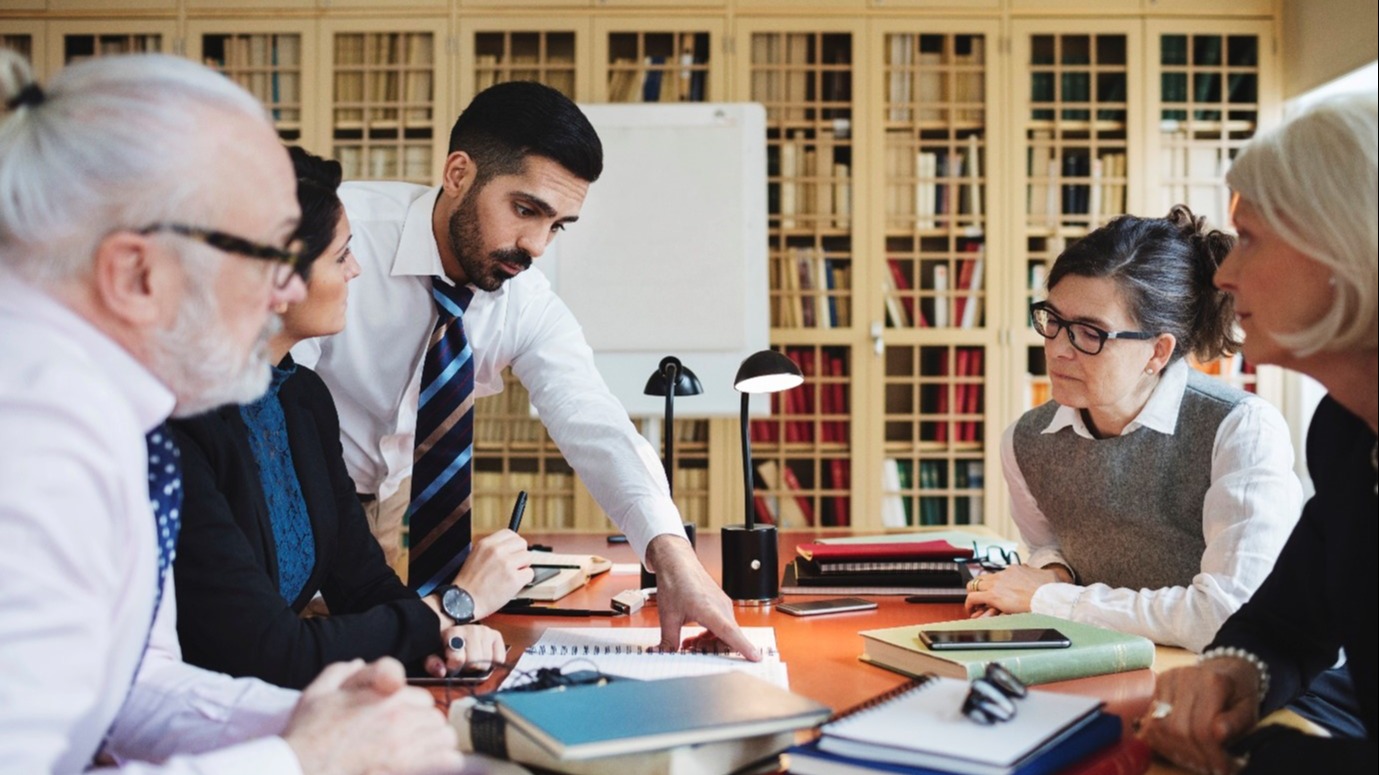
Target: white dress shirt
[[1248, 513], [79, 562], [373, 367]]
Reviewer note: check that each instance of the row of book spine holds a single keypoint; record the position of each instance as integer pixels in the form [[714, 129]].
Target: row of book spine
[[922, 82], [820, 403], [966, 397], [1078, 189], [815, 188], [680, 78], [814, 291], [268, 66], [938, 303], [903, 483], [551, 505], [936, 185], [782, 500], [390, 73]]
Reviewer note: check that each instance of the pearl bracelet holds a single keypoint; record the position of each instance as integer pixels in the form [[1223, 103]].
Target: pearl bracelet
[[1236, 652]]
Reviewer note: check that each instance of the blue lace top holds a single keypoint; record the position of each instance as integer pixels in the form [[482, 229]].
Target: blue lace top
[[286, 507]]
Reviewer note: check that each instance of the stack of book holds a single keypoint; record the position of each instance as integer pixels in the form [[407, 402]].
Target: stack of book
[[884, 568]]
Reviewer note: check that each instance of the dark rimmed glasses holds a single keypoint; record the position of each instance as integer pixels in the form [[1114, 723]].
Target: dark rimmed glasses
[[993, 559], [288, 261], [992, 697], [1084, 337]]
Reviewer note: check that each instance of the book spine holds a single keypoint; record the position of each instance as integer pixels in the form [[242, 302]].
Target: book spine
[[1127, 757], [1049, 665]]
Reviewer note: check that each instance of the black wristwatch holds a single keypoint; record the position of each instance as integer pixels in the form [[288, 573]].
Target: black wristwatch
[[456, 603]]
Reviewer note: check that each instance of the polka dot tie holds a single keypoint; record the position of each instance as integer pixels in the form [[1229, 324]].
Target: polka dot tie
[[165, 498]]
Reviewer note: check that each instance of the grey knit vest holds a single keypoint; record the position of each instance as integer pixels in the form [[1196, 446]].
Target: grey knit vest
[[1127, 511]]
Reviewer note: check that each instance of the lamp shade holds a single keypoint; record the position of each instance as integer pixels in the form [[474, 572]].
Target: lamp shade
[[767, 371], [686, 383]]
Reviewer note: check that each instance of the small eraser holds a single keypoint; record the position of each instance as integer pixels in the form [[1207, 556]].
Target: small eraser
[[629, 601]]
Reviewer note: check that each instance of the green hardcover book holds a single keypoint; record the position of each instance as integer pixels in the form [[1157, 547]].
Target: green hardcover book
[[1094, 650]]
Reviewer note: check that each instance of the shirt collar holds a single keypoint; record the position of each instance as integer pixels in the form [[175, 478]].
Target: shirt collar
[[1160, 412], [417, 253], [150, 401]]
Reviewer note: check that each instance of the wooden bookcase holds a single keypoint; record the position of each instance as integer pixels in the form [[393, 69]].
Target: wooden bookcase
[[927, 161]]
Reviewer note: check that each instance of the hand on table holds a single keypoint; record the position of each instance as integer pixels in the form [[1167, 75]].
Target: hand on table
[[363, 718], [686, 593], [497, 568], [478, 645], [1197, 710], [1007, 591]]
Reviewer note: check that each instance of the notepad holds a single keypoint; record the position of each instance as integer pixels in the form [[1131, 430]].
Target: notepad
[[631, 652], [923, 724]]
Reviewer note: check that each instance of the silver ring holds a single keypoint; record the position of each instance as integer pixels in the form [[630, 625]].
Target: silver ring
[[1160, 709]]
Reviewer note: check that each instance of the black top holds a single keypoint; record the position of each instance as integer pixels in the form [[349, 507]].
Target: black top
[[1322, 595], [230, 614]]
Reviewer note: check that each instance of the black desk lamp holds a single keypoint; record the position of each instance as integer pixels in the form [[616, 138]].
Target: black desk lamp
[[670, 379], [750, 555]]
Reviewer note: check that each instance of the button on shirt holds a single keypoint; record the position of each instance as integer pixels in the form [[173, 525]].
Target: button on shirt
[[1247, 515], [79, 563], [373, 367]]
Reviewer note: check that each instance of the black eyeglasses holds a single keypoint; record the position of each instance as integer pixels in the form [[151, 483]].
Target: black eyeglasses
[[994, 558], [1086, 337], [288, 260], [992, 697]]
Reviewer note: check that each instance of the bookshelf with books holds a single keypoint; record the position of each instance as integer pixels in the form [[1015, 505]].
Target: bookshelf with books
[[70, 40], [273, 60], [658, 60], [386, 82], [803, 71], [552, 51], [26, 38], [512, 453]]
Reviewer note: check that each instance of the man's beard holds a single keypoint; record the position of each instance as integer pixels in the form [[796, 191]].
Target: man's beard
[[466, 244], [198, 362]]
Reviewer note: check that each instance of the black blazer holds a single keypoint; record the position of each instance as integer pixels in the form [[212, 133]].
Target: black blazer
[[230, 616]]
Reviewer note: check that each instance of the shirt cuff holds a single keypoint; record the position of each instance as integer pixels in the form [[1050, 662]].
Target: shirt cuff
[[1055, 600], [648, 518]]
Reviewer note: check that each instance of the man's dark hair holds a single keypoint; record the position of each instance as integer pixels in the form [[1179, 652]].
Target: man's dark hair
[[508, 122], [317, 181]]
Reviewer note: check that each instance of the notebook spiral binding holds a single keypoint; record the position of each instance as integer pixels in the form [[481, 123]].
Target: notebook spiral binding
[[558, 650], [882, 698]]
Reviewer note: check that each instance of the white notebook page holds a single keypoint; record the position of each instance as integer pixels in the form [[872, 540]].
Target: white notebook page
[[631, 652]]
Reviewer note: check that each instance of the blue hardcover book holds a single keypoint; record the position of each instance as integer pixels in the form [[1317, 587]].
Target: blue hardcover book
[[651, 84], [623, 717], [1100, 731]]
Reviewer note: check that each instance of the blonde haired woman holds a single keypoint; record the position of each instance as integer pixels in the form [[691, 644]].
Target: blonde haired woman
[[1305, 284]]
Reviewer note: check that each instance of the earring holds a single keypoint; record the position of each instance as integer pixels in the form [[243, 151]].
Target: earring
[[1149, 370]]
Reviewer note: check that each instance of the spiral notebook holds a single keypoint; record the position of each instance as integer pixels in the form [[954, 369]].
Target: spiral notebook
[[631, 652], [921, 723]]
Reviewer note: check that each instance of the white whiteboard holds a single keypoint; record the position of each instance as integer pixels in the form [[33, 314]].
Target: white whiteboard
[[669, 254]]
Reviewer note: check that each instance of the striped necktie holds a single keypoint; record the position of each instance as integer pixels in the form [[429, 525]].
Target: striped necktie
[[438, 518]]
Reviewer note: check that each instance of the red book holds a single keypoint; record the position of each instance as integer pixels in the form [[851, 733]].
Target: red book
[[902, 288], [965, 268], [973, 406], [894, 551], [792, 484], [838, 467], [764, 515]]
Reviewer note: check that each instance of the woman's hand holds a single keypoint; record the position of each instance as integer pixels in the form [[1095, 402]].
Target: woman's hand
[[1197, 710], [466, 644], [1008, 591]]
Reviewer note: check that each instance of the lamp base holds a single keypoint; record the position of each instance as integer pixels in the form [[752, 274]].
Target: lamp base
[[751, 564]]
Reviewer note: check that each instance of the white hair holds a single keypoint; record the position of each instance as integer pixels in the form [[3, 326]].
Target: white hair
[[1314, 179], [113, 143]]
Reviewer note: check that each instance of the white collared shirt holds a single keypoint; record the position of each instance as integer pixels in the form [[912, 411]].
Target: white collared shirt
[[373, 367], [78, 564], [1248, 513]]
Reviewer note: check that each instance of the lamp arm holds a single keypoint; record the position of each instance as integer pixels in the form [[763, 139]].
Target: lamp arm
[[668, 443], [750, 514]]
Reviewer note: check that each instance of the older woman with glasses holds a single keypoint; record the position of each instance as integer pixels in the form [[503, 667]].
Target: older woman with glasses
[[1304, 280], [1152, 497]]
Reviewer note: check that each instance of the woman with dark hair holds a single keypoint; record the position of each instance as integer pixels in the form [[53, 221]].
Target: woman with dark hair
[[1305, 282], [270, 516]]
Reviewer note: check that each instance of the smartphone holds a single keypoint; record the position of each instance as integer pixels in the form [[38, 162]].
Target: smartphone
[[469, 674], [1036, 638], [833, 605]]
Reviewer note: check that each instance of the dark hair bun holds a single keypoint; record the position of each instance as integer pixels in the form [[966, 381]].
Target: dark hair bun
[[314, 169]]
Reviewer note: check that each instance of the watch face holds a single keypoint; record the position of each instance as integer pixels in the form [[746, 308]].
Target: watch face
[[458, 605]]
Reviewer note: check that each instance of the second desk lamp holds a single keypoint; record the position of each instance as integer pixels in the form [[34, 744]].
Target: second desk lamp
[[670, 379], [751, 575]]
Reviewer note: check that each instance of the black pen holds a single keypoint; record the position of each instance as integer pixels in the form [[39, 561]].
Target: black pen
[[550, 610], [517, 509]]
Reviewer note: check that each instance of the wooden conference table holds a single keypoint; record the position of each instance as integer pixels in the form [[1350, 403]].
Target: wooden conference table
[[821, 651]]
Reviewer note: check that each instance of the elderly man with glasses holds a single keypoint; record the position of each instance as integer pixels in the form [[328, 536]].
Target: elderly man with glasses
[[147, 211]]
